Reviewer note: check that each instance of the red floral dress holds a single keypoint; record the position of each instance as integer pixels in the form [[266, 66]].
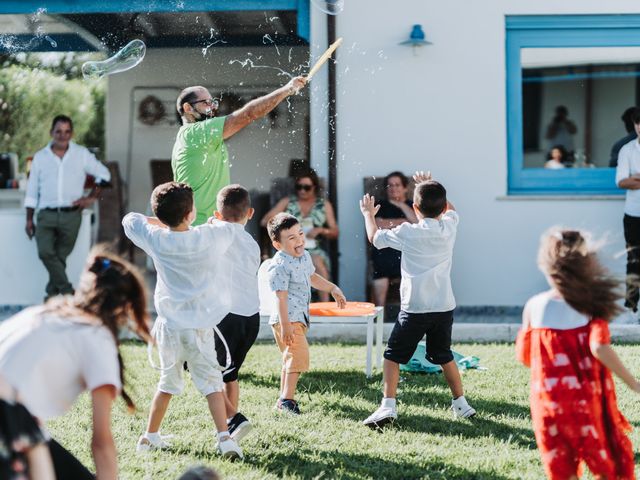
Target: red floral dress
[[573, 403]]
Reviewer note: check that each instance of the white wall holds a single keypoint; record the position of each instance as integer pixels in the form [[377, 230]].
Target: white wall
[[445, 110], [256, 154]]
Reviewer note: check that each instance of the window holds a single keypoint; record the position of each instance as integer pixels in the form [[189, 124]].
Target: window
[[569, 81]]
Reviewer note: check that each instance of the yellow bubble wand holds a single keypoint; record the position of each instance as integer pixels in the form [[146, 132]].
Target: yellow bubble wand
[[325, 56]]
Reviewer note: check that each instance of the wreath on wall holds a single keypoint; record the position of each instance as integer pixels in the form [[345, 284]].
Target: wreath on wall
[[151, 110]]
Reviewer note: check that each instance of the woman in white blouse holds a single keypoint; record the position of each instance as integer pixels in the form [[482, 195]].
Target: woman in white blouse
[[52, 353]]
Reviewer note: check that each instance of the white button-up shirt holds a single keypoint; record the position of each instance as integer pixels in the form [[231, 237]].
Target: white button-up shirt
[[425, 265], [193, 289], [57, 182], [628, 165]]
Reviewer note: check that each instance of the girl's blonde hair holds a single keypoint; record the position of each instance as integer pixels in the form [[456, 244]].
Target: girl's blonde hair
[[573, 268]]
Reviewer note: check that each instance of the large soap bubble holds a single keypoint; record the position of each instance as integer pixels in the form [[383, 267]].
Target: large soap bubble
[[330, 7], [128, 57]]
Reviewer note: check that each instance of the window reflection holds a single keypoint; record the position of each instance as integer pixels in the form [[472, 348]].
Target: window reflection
[[576, 103]]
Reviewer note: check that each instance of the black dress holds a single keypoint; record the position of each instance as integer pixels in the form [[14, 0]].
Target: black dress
[[386, 262], [19, 432]]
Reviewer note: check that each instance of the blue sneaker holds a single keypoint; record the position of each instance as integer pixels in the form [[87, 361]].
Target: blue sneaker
[[288, 405]]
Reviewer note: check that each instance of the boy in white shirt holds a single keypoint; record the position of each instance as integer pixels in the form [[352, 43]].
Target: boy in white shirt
[[240, 327], [426, 295], [192, 296]]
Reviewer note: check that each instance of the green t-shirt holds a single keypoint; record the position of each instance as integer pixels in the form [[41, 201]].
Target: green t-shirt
[[200, 159]]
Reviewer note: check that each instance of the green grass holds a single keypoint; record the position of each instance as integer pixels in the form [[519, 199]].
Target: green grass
[[328, 440]]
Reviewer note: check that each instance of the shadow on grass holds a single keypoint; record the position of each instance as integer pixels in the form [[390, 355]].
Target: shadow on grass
[[323, 386], [315, 464]]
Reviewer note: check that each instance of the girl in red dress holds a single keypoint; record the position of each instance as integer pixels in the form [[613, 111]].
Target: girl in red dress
[[565, 341]]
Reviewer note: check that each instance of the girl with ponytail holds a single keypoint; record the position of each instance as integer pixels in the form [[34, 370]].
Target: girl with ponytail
[[565, 341], [50, 354]]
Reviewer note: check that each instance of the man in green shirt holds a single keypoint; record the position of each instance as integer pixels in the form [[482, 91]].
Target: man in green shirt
[[199, 156]]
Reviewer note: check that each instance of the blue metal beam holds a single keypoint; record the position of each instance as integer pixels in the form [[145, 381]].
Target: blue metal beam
[[128, 6]]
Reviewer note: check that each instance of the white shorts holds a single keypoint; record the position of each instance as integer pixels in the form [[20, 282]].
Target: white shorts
[[197, 347]]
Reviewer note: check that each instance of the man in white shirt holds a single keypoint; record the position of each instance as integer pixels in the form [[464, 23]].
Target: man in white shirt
[[56, 190], [426, 296], [628, 178]]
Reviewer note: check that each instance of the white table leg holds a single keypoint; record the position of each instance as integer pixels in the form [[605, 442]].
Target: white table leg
[[369, 345], [379, 331]]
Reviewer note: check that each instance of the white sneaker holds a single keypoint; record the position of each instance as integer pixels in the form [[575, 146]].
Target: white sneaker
[[461, 408], [228, 448], [381, 417], [145, 443]]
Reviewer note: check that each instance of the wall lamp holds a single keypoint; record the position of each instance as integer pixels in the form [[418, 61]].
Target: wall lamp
[[416, 39]]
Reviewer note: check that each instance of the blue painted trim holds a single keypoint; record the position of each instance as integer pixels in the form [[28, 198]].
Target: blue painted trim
[[304, 20], [580, 76], [557, 31], [122, 6], [67, 42], [561, 22]]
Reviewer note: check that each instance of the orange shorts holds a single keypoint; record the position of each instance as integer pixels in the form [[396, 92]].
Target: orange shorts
[[295, 357]]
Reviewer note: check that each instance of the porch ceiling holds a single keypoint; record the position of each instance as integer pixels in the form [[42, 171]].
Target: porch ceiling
[[160, 29]]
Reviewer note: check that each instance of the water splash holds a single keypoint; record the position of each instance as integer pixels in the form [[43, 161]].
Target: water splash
[[248, 63], [53, 43], [267, 38], [205, 49]]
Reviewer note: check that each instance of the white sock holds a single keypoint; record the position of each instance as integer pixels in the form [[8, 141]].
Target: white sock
[[153, 437], [389, 403], [222, 435]]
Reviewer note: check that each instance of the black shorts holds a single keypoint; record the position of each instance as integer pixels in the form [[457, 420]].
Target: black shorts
[[409, 330], [240, 333]]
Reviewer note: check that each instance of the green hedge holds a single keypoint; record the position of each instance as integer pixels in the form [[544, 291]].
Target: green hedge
[[30, 98]]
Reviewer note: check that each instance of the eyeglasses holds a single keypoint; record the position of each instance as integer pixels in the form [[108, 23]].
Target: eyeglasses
[[302, 186], [211, 102]]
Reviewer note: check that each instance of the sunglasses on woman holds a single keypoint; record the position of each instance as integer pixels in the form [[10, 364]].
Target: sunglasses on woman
[[302, 186]]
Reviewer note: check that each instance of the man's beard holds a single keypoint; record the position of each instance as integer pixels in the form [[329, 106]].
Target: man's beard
[[210, 113]]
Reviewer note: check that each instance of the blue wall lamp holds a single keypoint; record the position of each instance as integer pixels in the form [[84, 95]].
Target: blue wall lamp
[[416, 39]]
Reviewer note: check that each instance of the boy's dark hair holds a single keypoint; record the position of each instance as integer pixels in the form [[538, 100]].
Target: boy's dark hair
[[199, 473], [171, 202], [635, 116], [63, 119], [233, 202], [430, 198], [280, 222]]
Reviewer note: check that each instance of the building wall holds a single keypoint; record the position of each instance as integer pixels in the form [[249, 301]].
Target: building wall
[[444, 110], [256, 154]]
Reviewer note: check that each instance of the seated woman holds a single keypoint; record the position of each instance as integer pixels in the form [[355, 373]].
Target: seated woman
[[557, 158], [316, 216], [396, 209]]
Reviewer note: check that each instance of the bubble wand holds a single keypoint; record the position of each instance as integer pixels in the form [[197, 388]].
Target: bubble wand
[[325, 56]]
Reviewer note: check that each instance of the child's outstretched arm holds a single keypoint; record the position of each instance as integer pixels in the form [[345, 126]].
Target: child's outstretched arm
[[609, 358], [286, 330], [369, 209], [320, 283]]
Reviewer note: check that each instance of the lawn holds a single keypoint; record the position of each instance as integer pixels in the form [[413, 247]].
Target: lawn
[[328, 440]]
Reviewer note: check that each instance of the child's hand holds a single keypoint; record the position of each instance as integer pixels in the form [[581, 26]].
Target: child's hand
[[368, 205], [636, 387], [286, 332], [339, 297], [420, 177]]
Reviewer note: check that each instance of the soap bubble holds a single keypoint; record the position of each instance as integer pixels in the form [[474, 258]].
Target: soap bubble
[[128, 57], [330, 7]]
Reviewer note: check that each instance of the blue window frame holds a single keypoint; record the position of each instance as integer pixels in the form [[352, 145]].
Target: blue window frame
[[557, 31]]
